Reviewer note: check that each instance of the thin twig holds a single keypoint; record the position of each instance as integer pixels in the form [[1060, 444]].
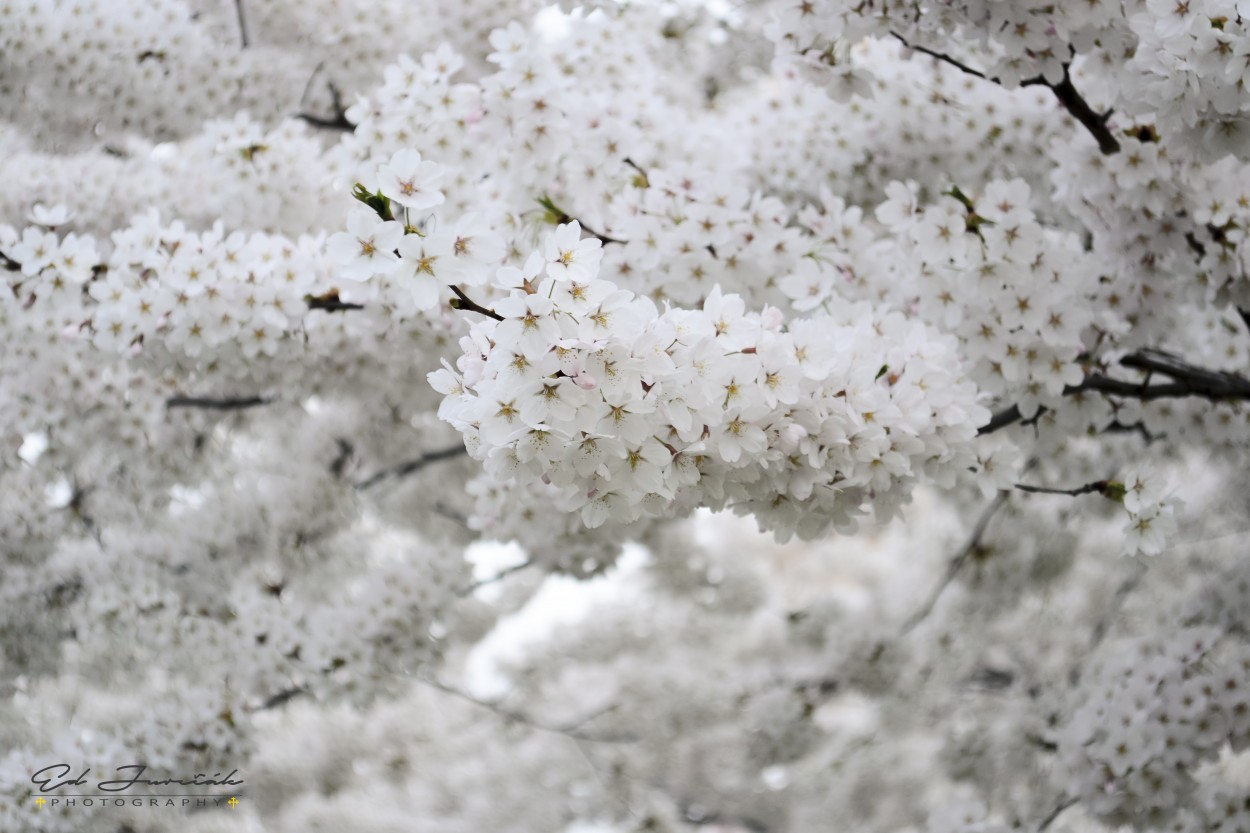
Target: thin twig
[[464, 302], [409, 466], [281, 698], [499, 576], [646, 182], [444, 511], [1064, 804], [562, 217], [957, 563], [570, 730], [944, 58]]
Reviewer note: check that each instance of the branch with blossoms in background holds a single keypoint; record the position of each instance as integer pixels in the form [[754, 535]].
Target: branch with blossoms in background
[[1187, 381]]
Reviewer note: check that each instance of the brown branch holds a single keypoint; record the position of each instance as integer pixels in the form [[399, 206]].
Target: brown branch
[[464, 302], [415, 464], [216, 404]]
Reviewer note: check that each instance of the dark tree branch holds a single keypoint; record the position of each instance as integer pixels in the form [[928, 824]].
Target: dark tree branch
[[1095, 123], [341, 461], [338, 121], [216, 404], [1005, 417], [1069, 97], [464, 302], [409, 466], [1099, 486], [281, 698], [238, 10], [946, 59], [1042, 743], [1136, 428], [1187, 380], [957, 563], [330, 302]]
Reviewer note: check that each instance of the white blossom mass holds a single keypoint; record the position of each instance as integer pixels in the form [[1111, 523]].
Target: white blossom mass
[[717, 416]]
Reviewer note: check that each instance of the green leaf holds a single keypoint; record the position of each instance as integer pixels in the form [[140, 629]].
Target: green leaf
[[378, 202]]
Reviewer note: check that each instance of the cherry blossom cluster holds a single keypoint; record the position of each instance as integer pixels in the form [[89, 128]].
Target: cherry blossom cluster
[[944, 126], [179, 62], [415, 259], [686, 225], [1020, 40], [808, 261], [1190, 66], [987, 269], [632, 412], [1184, 73], [1151, 513], [1153, 712], [190, 291]]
